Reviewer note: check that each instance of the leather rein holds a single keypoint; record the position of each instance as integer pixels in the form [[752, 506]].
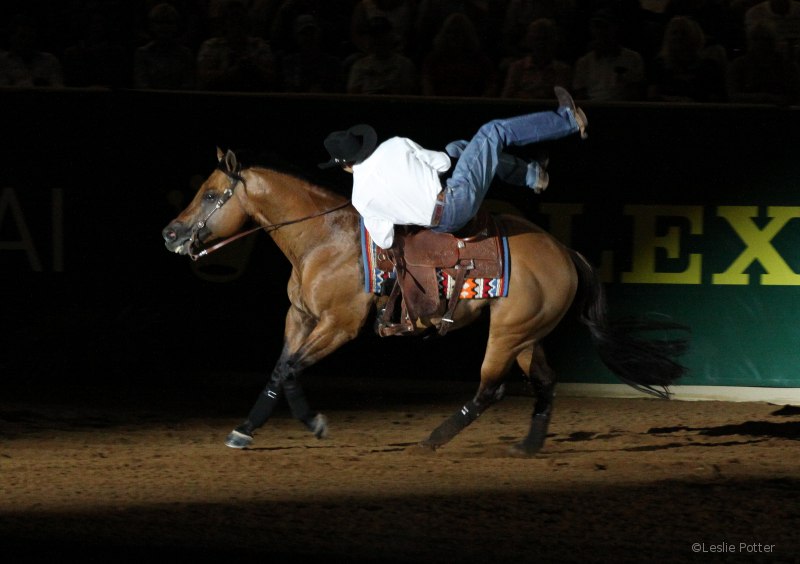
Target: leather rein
[[235, 178]]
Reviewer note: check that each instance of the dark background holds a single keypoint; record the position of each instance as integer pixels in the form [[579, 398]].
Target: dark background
[[121, 309]]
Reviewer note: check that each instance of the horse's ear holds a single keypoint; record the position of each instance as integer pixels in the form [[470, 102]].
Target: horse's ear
[[230, 161], [220, 154]]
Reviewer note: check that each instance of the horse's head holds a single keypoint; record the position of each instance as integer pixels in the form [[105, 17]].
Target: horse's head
[[212, 214]]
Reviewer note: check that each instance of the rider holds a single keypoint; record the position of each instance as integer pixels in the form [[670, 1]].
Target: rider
[[401, 183]]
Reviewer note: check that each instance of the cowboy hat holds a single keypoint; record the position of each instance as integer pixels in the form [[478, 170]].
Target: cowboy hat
[[351, 146]]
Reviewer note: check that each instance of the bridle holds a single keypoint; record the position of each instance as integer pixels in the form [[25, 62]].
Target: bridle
[[235, 178]]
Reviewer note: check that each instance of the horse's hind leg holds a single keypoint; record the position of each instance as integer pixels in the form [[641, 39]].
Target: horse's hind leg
[[543, 378], [495, 366], [469, 412]]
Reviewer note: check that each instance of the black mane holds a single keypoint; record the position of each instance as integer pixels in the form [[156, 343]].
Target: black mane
[[333, 179]]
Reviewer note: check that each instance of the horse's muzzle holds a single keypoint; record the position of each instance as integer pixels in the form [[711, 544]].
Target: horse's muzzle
[[174, 241]]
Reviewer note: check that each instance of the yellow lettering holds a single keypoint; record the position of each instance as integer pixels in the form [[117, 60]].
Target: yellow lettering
[[758, 246], [646, 242]]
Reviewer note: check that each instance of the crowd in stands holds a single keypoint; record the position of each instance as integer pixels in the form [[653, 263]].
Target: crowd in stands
[[713, 51]]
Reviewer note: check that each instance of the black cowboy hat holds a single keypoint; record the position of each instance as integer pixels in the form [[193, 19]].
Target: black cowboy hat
[[351, 146]]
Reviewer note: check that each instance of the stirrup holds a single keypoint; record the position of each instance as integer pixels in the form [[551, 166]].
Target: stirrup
[[390, 329]]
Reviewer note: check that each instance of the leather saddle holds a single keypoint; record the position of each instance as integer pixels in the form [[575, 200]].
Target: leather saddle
[[417, 256]]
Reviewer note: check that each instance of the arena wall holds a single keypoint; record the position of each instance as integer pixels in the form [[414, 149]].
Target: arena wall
[[691, 213]]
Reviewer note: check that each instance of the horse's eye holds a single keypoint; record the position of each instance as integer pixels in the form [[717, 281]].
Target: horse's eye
[[210, 196]]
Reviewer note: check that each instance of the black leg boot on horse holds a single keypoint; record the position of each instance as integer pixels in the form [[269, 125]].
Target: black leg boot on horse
[[543, 380], [282, 381], [540, 421], [468, 413]]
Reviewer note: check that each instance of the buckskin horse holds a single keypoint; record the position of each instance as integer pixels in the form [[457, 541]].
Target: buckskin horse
[[319, 232]]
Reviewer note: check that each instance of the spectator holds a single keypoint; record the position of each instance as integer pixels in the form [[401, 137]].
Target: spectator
[[382, 70], [721, 24], [486, 16], [310, 68], [458, 64], [609, 70], [638, 29], [235, 60], [262, 14], [764, 74], [520, 13], [680, 72], [785, 16], [333, 19], [193, 18], [536, 74], [163, 63], [740, 7], [400, 13], [24, 64], [98, 58]]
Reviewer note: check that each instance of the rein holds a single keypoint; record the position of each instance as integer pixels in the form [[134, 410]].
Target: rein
[[235, 178]]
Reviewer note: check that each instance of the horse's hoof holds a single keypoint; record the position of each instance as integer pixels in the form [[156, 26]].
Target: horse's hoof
[[237, 439], [319, 426], [520, 450], [423, 448]]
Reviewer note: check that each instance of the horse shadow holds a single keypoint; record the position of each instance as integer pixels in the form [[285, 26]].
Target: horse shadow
[[762, 429], [748, 432]]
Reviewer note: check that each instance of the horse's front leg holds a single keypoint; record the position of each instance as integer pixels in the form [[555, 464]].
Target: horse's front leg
[[284, 380], [307, 341]]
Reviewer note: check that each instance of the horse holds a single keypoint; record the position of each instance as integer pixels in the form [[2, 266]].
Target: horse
[[319, 232]]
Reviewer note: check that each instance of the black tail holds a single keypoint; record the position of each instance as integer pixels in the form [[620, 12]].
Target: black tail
[[646, 365]]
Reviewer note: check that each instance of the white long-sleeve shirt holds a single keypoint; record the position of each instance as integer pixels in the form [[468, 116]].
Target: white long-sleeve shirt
[[397, 184]]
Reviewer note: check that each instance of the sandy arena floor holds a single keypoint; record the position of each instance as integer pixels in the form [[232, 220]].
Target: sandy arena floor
[[123, 477]]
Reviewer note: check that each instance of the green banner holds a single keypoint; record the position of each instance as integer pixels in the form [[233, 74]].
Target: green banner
[[691, 213]]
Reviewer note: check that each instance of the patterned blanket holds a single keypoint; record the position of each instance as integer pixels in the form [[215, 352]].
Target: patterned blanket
[[376, 281]]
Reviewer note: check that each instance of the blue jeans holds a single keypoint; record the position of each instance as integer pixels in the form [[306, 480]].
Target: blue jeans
[[476, 168], [510, 169]]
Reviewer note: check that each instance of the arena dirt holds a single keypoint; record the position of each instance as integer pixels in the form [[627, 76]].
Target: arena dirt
[[123, 477]]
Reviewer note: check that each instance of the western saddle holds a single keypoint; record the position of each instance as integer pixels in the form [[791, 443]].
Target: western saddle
[[416, 257]]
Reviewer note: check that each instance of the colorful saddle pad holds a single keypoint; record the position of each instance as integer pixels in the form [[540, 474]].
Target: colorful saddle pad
[[377, 281]]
